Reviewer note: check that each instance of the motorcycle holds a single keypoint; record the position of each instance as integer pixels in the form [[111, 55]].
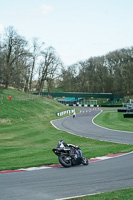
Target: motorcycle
[[70, 156]]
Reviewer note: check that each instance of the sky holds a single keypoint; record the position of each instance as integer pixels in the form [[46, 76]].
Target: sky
[[77, 29]]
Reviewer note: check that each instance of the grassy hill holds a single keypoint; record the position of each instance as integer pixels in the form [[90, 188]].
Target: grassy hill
[[27, 137]]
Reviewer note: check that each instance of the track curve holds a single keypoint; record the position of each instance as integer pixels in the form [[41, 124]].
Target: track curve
[[82, 125]]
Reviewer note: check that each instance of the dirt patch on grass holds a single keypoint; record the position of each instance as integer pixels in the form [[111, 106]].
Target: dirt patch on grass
[[5, 121]]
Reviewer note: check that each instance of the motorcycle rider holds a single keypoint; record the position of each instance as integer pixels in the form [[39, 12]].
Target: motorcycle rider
[[74, 114], [62, 144], [69, 156]]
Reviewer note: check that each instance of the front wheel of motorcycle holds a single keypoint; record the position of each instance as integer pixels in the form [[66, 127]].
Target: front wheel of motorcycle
[[65, 161], [84, 161]]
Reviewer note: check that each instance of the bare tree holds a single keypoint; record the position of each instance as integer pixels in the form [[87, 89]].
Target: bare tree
[[35, 52], [49, 68], [13, 47]]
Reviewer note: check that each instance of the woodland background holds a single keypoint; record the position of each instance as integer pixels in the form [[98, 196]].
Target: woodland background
[[30, 65]]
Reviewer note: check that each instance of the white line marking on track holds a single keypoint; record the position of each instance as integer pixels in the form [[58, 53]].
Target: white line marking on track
[[79, 196], [35, 168]]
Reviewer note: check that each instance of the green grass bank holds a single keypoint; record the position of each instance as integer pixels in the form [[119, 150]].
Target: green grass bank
[[27, 136]]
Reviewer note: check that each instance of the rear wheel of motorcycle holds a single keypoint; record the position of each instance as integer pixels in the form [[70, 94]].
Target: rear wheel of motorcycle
[[84, 161], [63, 161]]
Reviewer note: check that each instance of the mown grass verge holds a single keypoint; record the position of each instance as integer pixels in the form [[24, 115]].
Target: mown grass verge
[[114, 120], [27, 137]]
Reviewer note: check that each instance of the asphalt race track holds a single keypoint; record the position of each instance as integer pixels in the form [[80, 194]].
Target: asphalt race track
[[82, 125], [59, 183]]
